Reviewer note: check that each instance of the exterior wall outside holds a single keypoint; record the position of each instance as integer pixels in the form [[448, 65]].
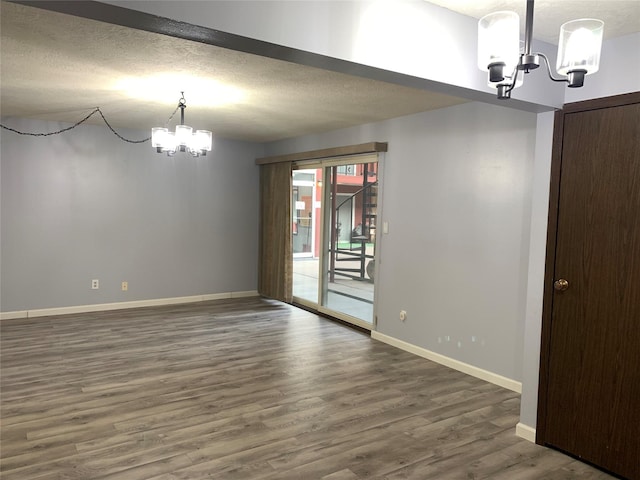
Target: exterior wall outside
[[347, 184]]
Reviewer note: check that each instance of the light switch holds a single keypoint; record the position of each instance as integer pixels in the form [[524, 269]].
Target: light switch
[[385, 227]]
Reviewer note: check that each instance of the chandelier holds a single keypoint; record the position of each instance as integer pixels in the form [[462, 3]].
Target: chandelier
[[499, 50], [184, 139]]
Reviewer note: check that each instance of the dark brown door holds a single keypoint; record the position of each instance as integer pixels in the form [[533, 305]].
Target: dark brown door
[[592, 402]]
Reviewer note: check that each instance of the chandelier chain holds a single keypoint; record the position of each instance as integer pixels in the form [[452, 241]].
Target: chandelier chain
[[117, 134], [166, 124], [57, 132], [77, 124]]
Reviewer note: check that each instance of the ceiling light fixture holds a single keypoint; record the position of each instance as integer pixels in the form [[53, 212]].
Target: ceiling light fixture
[[499, 50], [184, 139]]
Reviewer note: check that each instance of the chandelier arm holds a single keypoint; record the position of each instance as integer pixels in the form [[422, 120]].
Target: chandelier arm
[[546, 62], [514, 76]]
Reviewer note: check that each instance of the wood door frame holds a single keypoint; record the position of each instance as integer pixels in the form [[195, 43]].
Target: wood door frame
[[552, 230]]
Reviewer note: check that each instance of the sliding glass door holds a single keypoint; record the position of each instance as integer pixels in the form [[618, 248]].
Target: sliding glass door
[[334, 237]]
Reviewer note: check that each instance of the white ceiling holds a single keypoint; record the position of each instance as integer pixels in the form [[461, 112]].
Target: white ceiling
[[68, 65]]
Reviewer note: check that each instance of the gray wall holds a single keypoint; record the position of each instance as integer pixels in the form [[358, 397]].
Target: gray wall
[[537, 255], [457, 196], [85, 205]]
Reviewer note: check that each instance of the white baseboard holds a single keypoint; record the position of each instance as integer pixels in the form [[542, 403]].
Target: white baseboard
[[45, 312], [247, 293], [486, 375], [526, 432], [12, 315]]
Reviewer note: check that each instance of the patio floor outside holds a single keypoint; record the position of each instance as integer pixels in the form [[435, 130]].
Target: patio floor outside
[[345, 295]]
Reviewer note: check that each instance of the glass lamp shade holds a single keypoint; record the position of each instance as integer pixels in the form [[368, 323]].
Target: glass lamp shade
[[579, 46], [158, 137], [183, 135], [200, 143], [203, 140], [170, 144], [499, 40]]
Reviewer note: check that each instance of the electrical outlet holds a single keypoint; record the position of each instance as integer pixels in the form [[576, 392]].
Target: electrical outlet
[[403, 315], [125, 286], [95, 284]]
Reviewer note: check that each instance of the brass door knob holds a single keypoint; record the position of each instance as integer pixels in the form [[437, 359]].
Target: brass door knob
[[561, 285]]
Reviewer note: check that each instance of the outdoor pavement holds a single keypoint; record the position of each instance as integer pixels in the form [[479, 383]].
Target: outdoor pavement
[[352, 297]]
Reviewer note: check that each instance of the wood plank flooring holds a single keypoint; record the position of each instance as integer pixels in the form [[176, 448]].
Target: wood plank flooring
[[247, 389]]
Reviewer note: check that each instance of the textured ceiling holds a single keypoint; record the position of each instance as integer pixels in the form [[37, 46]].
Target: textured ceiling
[[59, 67]]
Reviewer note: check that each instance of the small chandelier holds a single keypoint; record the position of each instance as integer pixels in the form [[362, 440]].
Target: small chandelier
[[184, 139], [499, 50]]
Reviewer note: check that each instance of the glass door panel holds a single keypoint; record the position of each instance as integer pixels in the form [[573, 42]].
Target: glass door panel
[[350, 239], [305, 210]]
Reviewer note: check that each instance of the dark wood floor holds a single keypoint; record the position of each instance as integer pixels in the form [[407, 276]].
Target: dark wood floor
[[247, 389]]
